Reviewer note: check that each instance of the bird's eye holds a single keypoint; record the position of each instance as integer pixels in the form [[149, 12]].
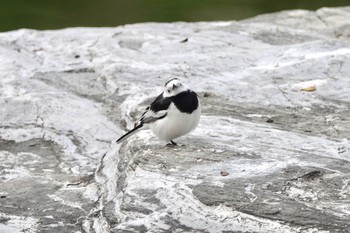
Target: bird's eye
[[168, 91]]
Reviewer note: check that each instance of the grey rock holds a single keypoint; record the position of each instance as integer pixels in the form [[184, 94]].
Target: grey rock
[[268, 155]]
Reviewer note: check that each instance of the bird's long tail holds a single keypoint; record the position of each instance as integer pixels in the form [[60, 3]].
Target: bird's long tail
[[131, 132]]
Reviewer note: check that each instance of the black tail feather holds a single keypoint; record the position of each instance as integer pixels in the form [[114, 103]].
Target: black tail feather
[[128, 134]]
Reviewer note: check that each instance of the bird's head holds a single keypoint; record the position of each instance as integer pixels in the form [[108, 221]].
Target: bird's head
[[174, 87]]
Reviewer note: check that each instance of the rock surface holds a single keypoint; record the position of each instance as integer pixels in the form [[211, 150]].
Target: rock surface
[[271, 153]]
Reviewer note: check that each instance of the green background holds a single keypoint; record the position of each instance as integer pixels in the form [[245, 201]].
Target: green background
[[53, 14]]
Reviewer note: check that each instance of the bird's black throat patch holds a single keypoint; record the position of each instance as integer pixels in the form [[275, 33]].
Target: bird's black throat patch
[[186, 101]]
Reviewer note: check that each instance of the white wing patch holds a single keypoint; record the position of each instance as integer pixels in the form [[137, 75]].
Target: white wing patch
[[150, 116]]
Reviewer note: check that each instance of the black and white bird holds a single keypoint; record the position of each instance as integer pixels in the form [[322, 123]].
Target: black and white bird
[[174, 113]]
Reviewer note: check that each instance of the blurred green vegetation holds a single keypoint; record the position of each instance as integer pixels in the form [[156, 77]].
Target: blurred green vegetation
[[53, 14]]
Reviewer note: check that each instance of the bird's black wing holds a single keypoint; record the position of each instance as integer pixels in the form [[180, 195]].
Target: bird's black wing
[[160, 103], [158, 109]]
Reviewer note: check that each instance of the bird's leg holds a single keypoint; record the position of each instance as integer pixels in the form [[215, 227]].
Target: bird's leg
[[172, 143]]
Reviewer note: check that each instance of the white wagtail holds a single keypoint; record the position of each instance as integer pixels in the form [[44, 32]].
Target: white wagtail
[[174, 113]]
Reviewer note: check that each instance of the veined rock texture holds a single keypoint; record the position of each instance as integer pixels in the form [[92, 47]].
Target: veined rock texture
[[271, 153]]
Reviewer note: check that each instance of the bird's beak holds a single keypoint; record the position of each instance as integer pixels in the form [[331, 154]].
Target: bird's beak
[[174, 86]]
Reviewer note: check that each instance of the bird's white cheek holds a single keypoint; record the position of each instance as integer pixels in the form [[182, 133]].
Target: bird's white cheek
[[166, 94]]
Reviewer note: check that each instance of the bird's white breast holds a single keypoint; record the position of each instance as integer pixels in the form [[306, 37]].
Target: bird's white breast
[[176, 123]]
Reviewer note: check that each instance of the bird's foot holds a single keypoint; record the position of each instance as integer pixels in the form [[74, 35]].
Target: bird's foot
[[174, 144]]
